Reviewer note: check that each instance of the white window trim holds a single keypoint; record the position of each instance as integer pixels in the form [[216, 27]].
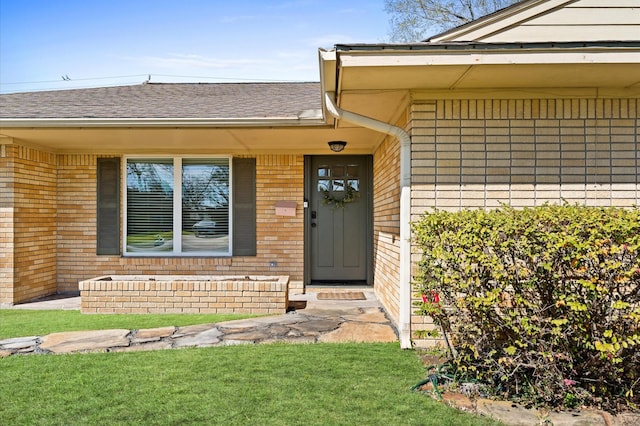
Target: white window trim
[[177, 207]]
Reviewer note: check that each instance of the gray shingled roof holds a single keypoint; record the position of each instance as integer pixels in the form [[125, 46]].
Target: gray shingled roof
[[161, 100]]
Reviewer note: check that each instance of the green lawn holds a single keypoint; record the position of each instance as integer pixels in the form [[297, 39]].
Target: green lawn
[[278, 384], [21, 323], [319, 384]]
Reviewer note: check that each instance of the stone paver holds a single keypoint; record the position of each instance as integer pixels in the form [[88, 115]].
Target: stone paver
[[19, 342], [370, 315], [577, 418], [150, 346], [210, 336], [508, 412], [622, 419], [252, 336], [84, 341], [360, 333], [289, 318], [192, 330], [513, 414], [152, 334], [316, 326], [456, 399]]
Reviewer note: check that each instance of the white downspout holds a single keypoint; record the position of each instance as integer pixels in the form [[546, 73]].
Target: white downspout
[[404, 323]]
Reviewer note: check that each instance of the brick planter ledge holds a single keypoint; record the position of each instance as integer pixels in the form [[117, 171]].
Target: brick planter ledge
[[137, 294]]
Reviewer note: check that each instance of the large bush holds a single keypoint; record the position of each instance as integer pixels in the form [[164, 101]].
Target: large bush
[[542, 305]]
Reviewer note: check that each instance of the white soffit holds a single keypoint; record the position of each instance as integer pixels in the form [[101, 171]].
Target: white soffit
[[295, 140]]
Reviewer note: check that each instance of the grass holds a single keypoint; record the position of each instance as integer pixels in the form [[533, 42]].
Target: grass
[[21, 323], [278, 384]]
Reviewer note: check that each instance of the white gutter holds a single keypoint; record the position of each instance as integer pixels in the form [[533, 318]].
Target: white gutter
[[497, 56], [303, 120], [404, 322]]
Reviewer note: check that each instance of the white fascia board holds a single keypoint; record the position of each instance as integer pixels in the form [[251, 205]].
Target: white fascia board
[[327, 55], [469, 57], [327, 60], [307, 119]]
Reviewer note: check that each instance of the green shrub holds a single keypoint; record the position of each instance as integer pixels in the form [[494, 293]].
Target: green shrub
[[541, 304]]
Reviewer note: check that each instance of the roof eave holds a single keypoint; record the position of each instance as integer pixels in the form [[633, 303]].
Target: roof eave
[[476, 54], [161, 122], [481, 46]]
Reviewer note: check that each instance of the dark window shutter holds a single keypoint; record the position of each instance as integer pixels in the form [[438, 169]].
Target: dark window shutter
[[244, 206], [108, 206]]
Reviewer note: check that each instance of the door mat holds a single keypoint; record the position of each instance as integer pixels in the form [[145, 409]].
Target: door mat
[[342, 295]]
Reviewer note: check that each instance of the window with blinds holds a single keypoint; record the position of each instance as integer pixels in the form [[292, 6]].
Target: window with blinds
[[205, 205], [177, 205]]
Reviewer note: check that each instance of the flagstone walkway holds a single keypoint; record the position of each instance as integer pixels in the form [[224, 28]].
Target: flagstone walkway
[[307, 326], [317, 321]]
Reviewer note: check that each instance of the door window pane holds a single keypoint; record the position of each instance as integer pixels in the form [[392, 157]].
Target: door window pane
[[324, 171], [323, 185], [338, 185]]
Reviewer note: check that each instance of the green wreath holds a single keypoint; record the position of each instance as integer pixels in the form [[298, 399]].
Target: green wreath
[[350, 195]]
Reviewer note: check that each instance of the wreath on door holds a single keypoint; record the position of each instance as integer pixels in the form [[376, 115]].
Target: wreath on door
[[350, 195]]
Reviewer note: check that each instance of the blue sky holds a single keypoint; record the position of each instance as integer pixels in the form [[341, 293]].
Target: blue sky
[[117, 42]]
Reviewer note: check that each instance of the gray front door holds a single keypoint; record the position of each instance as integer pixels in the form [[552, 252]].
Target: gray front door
[[339, 218]]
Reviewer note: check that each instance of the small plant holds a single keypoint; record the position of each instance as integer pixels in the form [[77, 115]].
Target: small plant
[[541, 304], [570, 400]]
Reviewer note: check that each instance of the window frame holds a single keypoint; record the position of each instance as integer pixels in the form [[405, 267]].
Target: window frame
[[177, 207]]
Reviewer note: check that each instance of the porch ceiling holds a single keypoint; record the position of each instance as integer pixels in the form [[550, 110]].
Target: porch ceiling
[[142, 140]]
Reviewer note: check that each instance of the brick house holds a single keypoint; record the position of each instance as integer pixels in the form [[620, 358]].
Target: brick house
[[538, 102]]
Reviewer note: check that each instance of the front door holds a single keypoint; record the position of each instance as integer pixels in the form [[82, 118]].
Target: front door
[[338, 218]]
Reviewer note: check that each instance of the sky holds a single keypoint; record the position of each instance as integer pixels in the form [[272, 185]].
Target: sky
[[64, 44]]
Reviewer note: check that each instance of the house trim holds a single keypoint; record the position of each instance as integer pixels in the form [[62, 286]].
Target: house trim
[[529, 93], [314, 119], [500, 20], [481, 54]]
